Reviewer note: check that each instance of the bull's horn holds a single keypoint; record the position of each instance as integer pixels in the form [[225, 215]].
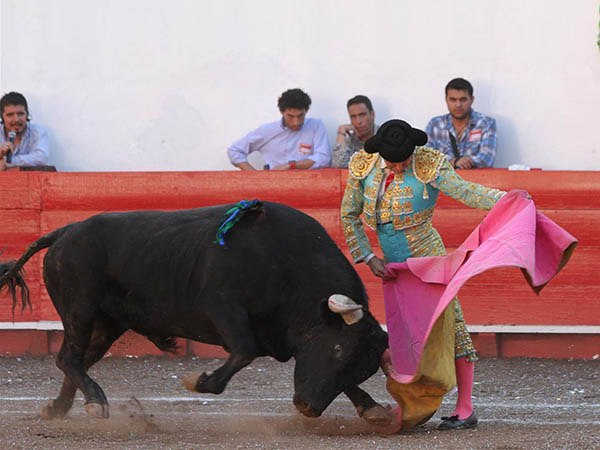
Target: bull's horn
[[350, 311]]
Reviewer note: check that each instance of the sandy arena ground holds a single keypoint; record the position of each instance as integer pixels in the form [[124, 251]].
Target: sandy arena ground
[[522, 403]]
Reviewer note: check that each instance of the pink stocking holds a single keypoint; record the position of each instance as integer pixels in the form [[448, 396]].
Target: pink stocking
[[464, 382]]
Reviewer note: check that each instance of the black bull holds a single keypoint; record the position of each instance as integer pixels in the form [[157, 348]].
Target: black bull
[[162, 275]]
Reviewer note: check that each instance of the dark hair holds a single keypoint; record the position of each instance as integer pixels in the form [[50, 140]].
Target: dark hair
[[295, 99], [460, 84], [12, 98], [357, 99]]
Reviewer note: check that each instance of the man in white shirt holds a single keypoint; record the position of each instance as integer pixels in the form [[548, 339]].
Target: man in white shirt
[[293, 142]]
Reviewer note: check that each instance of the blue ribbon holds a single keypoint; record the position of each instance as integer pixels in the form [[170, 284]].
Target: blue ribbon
[[232, 217]]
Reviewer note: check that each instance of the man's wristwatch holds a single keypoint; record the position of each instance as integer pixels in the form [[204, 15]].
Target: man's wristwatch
[[292, 164]]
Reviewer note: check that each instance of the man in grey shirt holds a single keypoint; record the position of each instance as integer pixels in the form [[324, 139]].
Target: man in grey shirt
[[351, 137]]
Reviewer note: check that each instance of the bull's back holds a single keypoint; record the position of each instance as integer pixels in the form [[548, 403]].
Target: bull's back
[[268, 249], [166, 265], [293, 247]]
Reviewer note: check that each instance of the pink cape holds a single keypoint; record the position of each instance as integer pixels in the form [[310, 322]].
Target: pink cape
[[513, 233]]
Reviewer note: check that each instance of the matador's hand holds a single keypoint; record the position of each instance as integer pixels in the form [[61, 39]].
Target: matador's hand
[[377, 266]]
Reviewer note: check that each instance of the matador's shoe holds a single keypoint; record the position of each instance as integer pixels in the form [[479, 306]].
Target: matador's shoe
[[454, 423]]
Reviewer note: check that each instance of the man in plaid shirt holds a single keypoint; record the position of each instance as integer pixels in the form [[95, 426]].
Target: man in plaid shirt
[[474, 134]]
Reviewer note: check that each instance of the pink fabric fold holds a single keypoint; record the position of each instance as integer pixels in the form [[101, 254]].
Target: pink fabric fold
[[513, 233]]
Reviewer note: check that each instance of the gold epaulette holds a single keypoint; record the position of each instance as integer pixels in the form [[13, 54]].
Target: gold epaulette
[[427, 163], [361, 164]]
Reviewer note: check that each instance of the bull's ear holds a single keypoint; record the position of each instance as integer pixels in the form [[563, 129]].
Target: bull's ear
[[343, 305]]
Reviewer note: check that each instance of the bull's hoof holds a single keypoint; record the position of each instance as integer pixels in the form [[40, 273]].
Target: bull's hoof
[[378, 416], [205, 383], [50, 412], [392, 427], [191, 381], [98, 410]]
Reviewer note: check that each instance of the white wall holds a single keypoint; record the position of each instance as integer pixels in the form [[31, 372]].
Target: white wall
[[155, 85]]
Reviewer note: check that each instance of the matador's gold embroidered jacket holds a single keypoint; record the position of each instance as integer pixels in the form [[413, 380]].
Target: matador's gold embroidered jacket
[[407, 204]]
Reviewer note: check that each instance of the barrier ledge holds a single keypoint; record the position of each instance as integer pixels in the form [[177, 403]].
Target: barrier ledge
[[319, 188], [182, 190]]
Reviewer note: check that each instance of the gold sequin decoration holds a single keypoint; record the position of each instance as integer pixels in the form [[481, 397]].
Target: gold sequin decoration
[[471, 194], [401, 222], [370, 192], [427, 163], [400, 207], [463, 346], [399, 178], [361, 164], [377, 177], [370, 221], [426, 166], [402, 192]]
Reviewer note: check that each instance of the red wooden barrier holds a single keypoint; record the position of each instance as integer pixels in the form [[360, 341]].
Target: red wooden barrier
[[563, 322]]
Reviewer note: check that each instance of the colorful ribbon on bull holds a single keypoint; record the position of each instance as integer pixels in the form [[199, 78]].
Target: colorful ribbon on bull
[[233, 216]]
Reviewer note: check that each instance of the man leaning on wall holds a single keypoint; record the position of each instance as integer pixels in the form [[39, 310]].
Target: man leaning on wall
[[22, 144], [351, 136], [292, 142], [465, 136]]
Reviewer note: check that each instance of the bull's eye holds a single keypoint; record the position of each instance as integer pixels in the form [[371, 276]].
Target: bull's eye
[[337, 351]]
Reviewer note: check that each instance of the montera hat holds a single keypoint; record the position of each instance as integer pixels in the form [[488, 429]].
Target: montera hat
[[395, 140]]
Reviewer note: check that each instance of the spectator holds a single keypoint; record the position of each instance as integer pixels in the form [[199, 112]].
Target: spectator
[[466, 137], [351, 137], [294, 142], [22, 144]]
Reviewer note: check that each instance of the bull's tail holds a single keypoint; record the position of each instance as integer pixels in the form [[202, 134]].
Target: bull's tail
[[12, 272]]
